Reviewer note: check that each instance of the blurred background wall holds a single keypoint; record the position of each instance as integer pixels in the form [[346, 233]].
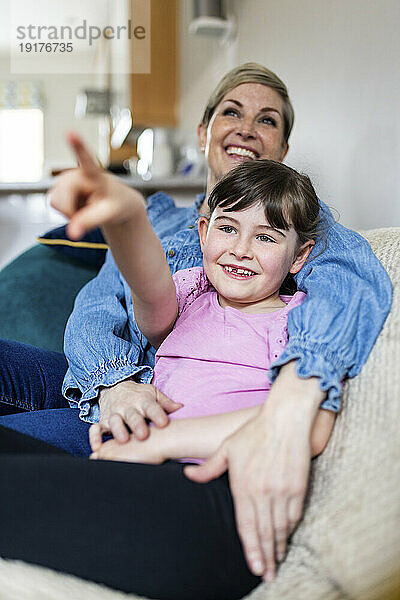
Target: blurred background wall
[[341, 62]]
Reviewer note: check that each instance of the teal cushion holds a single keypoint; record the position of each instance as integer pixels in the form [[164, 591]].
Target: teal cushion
[[37, 292], [90, 250]]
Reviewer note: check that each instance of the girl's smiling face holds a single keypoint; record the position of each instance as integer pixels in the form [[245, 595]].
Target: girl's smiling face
[[247, 260], [247, 124]]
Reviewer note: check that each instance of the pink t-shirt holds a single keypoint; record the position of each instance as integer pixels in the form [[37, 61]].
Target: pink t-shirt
[[216, 360]]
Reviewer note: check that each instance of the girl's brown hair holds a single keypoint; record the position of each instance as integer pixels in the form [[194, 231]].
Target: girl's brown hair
[[288, 197]]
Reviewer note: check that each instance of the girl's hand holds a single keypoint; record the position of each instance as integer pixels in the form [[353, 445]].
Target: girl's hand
[[89, 197], [129, 404], [149, 451]]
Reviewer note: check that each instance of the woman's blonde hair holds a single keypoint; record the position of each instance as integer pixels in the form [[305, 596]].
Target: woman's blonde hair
[[251, 73]]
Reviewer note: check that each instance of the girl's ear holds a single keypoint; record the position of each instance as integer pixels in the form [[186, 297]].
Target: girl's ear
[[202, 227], [301, 256], [201, 137]]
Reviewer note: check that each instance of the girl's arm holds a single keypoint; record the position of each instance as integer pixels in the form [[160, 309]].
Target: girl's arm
[[90, 198], [140, 258], [200, 437]]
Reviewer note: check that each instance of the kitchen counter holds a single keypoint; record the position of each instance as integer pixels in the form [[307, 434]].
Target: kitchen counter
[[173, 183]]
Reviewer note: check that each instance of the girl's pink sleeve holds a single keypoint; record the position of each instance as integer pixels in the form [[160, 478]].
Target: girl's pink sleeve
[[278, 333], [190, 284]]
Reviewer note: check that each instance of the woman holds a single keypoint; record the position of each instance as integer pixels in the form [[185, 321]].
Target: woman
[[248, 116]]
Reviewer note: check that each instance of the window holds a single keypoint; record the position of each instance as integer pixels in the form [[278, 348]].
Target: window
[[21, 144], [21, 131]]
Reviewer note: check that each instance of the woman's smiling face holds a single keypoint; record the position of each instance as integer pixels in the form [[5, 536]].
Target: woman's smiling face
[[247, 124]]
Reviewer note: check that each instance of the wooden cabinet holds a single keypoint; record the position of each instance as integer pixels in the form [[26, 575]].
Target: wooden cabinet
[[154, 96]]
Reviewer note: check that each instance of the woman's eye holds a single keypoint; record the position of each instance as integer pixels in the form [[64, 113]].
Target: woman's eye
[[269, 121], [227, 229], [230, 111]]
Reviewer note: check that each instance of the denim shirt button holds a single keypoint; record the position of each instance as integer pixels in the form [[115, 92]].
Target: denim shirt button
[[171, 253], [191, 226]]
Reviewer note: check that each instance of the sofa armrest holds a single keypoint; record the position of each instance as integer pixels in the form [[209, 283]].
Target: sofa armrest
[[37, 292]]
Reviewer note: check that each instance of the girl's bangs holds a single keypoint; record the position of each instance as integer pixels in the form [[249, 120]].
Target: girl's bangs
[[276, 212]]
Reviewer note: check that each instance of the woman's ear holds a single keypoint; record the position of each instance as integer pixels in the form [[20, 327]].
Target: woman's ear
[[285, 150], [202, 227], [201, 137], [301, 256]]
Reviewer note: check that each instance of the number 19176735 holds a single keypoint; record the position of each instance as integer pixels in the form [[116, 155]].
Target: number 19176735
[[46, 47]]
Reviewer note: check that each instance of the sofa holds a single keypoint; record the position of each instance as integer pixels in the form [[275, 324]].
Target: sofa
[[347, 545], [38, 288]]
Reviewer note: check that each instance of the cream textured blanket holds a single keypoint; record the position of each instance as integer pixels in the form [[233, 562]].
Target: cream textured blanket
[[348, 543]]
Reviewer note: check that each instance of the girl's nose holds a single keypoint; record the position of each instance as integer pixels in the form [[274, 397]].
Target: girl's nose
[[241, 249]]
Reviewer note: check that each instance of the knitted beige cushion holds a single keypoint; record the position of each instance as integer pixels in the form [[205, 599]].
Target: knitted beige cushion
[[348, 543]]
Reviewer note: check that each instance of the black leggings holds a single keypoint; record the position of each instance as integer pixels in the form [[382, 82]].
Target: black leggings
[[138, 528]]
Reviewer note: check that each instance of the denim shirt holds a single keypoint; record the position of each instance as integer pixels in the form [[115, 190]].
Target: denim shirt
[[330, 334]]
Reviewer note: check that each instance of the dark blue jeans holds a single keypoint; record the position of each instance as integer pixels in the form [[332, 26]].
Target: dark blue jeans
[[31, 400], [137, 528]]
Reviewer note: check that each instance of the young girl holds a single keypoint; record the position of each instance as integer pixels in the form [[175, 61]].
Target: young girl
[[218, 328]]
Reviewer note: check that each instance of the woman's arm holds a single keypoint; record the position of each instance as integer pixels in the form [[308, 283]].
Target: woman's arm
[[106, 354], [330, 335], [349, 296], [268, 460], [200, 437], [101, 345]]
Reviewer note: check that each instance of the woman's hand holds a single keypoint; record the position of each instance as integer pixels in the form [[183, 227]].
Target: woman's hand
[[268, 460], [148, 451], [128, 404], [91, 198]]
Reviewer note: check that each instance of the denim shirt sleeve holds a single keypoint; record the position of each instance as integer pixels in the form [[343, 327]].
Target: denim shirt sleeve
[[102, 342], [349, 296]]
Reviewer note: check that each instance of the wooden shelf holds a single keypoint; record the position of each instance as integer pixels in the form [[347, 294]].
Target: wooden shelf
[[176, 183]]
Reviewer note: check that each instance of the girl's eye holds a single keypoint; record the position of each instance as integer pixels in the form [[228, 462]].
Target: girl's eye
[[266, 238], [227, 228]]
